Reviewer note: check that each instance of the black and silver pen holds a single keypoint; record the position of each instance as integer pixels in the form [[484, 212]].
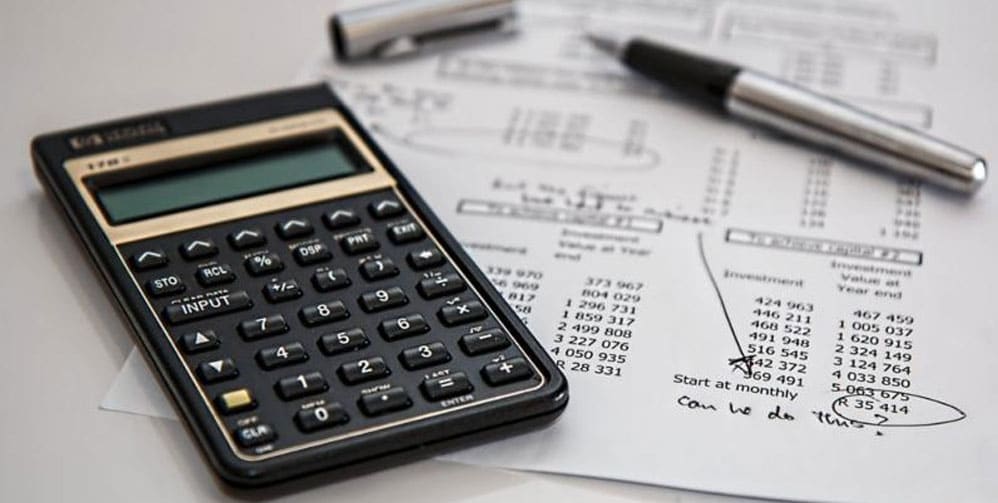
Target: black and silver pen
[[801, 113]]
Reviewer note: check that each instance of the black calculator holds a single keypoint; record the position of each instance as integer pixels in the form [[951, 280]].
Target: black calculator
[[301, 303]]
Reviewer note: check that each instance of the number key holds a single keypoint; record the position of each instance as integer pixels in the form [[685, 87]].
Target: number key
[[263, 327], [321, 314], [363, 370], [301, 385], [426, 355], [321, 417], [343, 342], [382, 299], [405, 326], [281, 356]]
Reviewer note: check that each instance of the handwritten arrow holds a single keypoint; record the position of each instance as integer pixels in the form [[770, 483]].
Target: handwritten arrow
[[742, 362]]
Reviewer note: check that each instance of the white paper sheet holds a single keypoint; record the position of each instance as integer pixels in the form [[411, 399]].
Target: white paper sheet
[[735, 313]]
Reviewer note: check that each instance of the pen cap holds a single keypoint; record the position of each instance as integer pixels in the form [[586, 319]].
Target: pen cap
[[406, 26]]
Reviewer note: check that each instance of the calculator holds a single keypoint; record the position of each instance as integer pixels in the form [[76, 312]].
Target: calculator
[[300, 302]]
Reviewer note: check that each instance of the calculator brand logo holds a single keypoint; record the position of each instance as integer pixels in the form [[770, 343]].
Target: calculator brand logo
[[119, 135]]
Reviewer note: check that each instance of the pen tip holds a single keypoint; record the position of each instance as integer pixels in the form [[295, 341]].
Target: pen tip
[[605, 42]]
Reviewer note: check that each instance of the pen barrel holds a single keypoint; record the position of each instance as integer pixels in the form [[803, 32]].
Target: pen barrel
[[838, 126]]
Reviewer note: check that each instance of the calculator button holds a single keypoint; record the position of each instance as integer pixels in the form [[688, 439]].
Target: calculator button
[[426, 355], [425, 259], [266, 263], [340, 219], [343, 342], [448, 386], [280, 291], [505, 372], [405, 326], [405, 233], [311, 253], [247, 238], [392, 399], [379, 269], [332, 279], [196, 342], [165, 285], [301, 385], [281, 356], [264, 326], [254, 435], [484, 342], [217, 370], [439, 286], [149, 259], [321, 417], [217, 274], [206, 307], [359, 242], [326, 312], [199, 248], [462, 313], [385, 208], [294, 228], [382, 299], [234, 401], [365, 370]]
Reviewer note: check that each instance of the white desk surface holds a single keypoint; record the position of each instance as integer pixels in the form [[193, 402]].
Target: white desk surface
[[71, 63]]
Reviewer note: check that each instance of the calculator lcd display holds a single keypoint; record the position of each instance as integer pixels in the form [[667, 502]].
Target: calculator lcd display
[[216, 183]]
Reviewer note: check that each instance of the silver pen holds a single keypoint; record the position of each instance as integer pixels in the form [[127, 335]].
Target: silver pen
[[804, 114]]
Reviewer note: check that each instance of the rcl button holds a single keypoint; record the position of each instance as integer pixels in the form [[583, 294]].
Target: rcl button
[[217, 274], [257, 434]]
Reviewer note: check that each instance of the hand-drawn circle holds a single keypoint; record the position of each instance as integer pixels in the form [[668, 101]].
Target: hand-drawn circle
[[960, 414]]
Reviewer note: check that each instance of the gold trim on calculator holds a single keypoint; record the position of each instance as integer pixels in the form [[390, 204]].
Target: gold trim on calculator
[[285, 128], [81, 168]]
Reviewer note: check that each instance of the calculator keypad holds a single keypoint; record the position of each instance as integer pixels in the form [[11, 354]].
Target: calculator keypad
[[297, 332]]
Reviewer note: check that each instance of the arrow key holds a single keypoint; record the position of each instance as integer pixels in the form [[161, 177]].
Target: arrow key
[[247, 238], [198, 248], [149, 259], [425, 259], [201, 340], [340, 219], [294, 228], [217, 370], [385, 208]]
